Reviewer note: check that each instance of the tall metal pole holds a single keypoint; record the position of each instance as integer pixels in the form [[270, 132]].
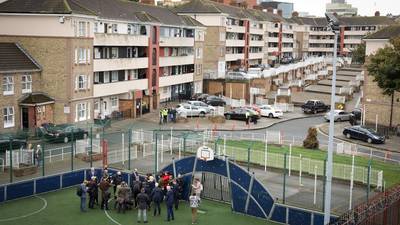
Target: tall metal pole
[[11, 162], [91, 146], [328, 188]]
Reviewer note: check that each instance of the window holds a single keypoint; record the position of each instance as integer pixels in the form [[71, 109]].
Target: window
[[198, 68], [114, 76], [114, 28], [8, 85], [114, 102], [26, 84], [114, 53], [82, 55], [82, 29], [82, 82], [8, 117], [199, 53], [96, 27], [106, 77], [81, 112], [96, 105]]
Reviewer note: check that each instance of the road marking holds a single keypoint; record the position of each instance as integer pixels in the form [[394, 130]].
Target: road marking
[[201, 211], [29, 214], [109, 217]]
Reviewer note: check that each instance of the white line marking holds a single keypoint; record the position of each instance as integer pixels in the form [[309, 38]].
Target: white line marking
[[109, 217], [29, 214], [201, 211]]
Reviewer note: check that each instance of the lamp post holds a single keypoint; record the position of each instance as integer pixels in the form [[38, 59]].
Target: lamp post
[[333, 24]]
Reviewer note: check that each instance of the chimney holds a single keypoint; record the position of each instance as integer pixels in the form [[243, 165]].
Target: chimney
[[279, 12], [270, 10], [295, 14], [377, 13]]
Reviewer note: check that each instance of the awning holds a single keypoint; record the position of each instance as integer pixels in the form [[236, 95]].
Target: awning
[[36, 99]]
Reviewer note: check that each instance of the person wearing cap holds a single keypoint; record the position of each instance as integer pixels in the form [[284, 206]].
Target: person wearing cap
[[157, 196], [169, 201], [116, 180]]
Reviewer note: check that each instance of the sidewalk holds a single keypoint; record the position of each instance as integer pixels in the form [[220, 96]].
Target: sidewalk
[[392, 144], [151, 121]]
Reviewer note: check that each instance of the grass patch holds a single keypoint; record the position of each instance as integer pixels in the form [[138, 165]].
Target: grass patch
[[390, 171]]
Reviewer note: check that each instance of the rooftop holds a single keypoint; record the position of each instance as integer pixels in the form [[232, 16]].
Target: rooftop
[[13, 58], [386, 33]]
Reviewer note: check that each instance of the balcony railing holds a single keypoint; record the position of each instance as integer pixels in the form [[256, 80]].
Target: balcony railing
[[234, 43], [119, 87], [176, 79], [234, 57], [102, 39], [176, 41], [120, 64], [176, 60]]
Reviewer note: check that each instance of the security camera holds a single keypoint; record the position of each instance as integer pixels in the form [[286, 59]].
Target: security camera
[[333, 22]]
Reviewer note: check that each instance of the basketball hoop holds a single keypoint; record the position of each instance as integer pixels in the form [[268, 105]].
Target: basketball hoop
[[205, 153]]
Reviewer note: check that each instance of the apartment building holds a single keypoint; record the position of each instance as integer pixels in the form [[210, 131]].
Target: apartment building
[[58, 35], [22, 102], [120, 57]]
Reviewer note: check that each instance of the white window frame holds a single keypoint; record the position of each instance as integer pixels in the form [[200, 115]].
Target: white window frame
[[8, 85], [199, 53], [81, 112], [114, 76], [8, 117], [82, 56], [82, 82], [114, 102], [114, 53], [26, 82], [82, 29]]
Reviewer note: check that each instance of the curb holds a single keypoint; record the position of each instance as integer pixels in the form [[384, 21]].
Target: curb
[[350, 141], [251, 129]]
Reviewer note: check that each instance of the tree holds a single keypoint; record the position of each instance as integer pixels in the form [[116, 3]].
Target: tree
[[311, 141], [384, 66], [358, 54]]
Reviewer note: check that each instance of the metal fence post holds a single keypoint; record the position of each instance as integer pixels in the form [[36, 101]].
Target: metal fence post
[[324, 189], [72, 150], [155, 155], [184, 146], [284, 179], [129, 148], [248, 159], [368, 180], [91, 146], [43, 158], [11, 162]]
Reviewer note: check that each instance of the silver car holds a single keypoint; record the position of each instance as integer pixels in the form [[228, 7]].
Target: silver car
[[201, 104], [186, 110], [339, 115]]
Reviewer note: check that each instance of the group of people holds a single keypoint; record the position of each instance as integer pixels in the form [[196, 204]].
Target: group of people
[[142, 194], [167, 115]]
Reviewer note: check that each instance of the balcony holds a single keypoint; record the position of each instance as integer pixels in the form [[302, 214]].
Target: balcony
[[235, 29], [120, 87], [234, 43], [258, 55], [273, 39], [327, 41], [330, 33], [101, 39], [287, 40], [357, 32], [120, 64], [234, 57], [256, 31], [287, 49], [257, 43], [176, 60], [176, 79], [352, 41], [322, 49], [273, 49], [176, 41]]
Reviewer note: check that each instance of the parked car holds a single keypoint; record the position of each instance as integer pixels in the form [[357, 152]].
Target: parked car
[[355, 117], [17, 142], [314, 106], [215, 101], [254, 108], [363, 133], [200, 104], [339, 115], [199, 97], [287, 60], [190, 110], [270, 111], [240, 114], [62, 133], [237, 75]]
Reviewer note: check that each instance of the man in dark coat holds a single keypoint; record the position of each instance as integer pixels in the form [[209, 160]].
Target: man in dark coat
[[136, 187], [92, 189], [143, 201], [169, 200], [157, 196], [181, 184], [105, 192], [116, 180], [175, 189]]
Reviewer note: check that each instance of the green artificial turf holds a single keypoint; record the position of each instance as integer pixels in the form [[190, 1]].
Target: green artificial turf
[[390, 170], [63, 209]]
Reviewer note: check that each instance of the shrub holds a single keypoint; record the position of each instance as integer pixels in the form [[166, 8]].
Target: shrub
[[311, 141]]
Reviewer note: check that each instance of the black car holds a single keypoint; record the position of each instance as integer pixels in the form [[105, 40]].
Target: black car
[[200, 97], [17, 142], [314, 106], [215, 101], [363, 133], [62, 133], [240, 114], [355, 117]]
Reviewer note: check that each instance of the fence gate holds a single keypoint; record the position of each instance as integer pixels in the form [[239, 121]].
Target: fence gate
[[215, 187]]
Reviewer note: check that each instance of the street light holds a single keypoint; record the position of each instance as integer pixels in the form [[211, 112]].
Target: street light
[[333, 25]]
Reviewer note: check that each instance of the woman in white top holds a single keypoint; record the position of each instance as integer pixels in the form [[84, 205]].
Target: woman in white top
[[194, 202]]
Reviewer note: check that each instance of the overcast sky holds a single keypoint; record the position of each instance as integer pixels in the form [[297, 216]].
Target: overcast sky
[[365, 7]]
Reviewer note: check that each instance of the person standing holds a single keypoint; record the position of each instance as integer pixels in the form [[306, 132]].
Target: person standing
[[197, 187], [38, 155], [136, 187], [143, 204], [169, 200], [161, 116], [165, 115], [194, 202], [92, 186], [82, 190], [105, 192], [157, 197], [116, 181], [181, 184], [175, 189], [135, 175], [247, 117]]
